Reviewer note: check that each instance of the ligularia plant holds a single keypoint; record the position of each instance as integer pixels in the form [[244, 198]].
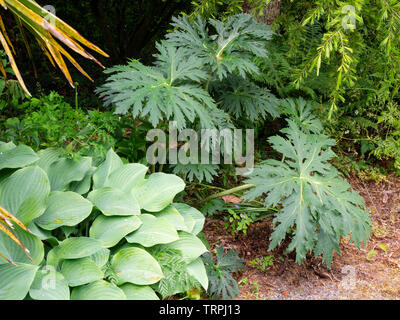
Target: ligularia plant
[[95, 232], [316, 201]]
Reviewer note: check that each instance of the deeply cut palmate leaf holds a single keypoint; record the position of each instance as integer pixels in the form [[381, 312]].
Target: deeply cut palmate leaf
[[167, 90], [315, 199], [238, 39], [47, 29]]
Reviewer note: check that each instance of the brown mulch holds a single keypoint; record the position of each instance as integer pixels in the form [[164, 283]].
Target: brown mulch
[[355, 274]]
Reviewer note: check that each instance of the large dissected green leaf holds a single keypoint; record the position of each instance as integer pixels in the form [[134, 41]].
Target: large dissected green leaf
[[15, 281], [98, 290], [81, 271], [153, 231], [17, 157], [64, 209], [49, 285], [316, 200], [136, 266], [24, 193], [189, 245], [237, 41], [111, 230], [74, 248], [191, 214], [158, 191], [244, 99], [114, 202], [168, 90], [134, 292], [15, 253]]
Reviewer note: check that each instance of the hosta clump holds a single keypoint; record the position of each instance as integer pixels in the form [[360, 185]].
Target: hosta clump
[[316, 201], [106, 229]]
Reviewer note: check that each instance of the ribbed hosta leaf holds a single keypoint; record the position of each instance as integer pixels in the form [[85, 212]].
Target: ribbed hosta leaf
[[24, 193], [112, 162], [134, 292], [101, 257], [81, 271], [110, 230], [153, 231], [49, 285], [98, 290], [114, 202], [74, 248], [64, 209], [136, 266], [17, 157], [173, 216], [127, 177], [15, 253], [15, 281], [313, 195], [189, 245], [191, 214], [158, 191], [198, 271], [64, 171]]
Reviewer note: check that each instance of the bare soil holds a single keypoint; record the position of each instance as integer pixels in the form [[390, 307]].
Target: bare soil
[[355, 274]]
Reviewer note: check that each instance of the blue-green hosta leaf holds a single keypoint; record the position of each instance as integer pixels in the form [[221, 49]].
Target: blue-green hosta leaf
[[81, 271], [315, 199], [127, 177], [83, 187], [158, 191], [239, 39], [6, 146], [24, 193], [48, 156], [98, 290], [112, 162], [101, 257], [64, 209], [197, 270], [17, 157], [49, 285], [114, 202], [153, 231], [134, 292], [15, 253], [189, 245], [74, 248], [136, 266], [15, 281], [64, 171], [173, 216], [111, 230], [191, 214]]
